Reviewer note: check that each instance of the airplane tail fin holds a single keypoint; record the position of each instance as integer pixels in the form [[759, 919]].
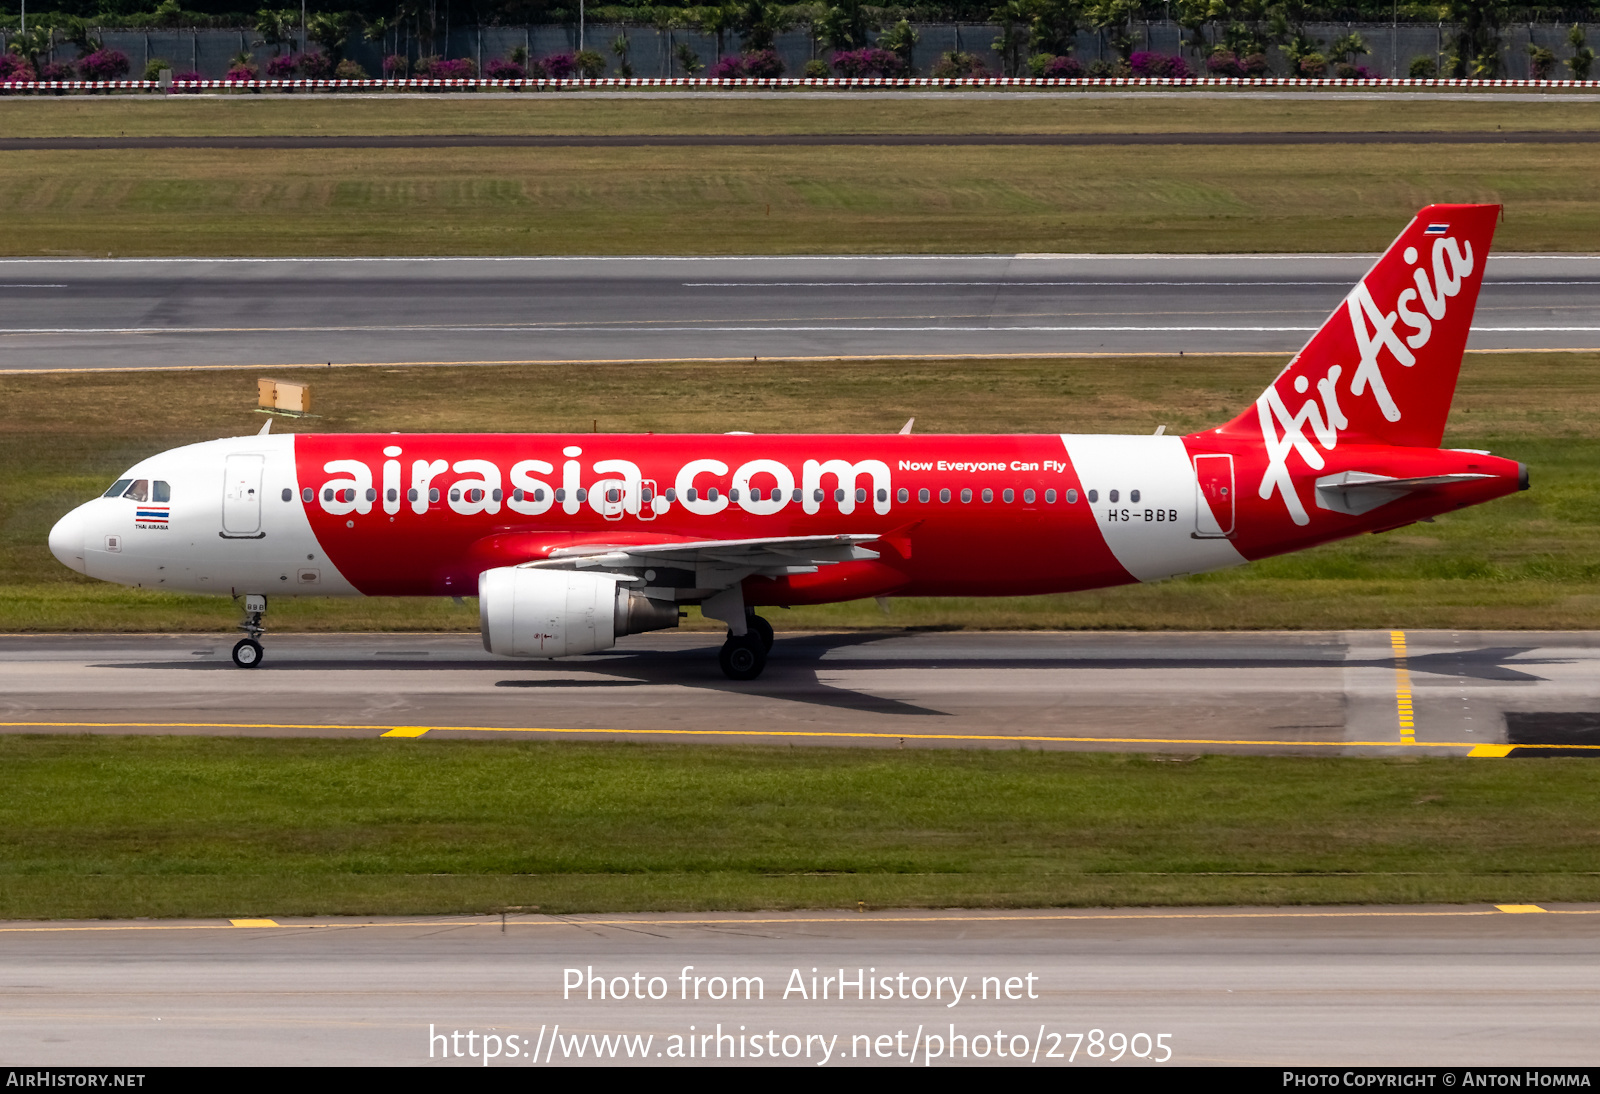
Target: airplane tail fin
[[1383, 368]]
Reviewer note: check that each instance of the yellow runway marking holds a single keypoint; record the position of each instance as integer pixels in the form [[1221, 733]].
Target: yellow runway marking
[[253, 922], [1518, 909], [838, 917], [1402, 689], [1491, 751], [419, 731]]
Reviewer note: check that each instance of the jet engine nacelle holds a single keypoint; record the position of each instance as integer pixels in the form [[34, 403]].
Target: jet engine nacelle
[[557, 613]]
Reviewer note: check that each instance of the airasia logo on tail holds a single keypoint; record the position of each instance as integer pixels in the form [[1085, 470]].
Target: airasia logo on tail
[[1355, 360]]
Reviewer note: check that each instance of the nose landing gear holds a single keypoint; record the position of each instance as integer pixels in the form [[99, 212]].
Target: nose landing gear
[[247, 652]]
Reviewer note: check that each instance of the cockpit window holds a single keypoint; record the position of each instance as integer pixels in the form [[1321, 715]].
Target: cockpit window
[[160, 491], [139, 491], [117, 488]]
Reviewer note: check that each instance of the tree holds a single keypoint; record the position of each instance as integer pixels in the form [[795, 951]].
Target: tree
[[1113, 18], [760, 22], [76, 31], [276, 27], [717, 21], [1013, 18], [845, 25], [689, 60], [900, 39], [619, 46], [1582, 55], [331, 30], [1476, 52]]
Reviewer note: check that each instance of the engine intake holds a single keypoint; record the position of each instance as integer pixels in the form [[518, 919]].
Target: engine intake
[[558, 613]]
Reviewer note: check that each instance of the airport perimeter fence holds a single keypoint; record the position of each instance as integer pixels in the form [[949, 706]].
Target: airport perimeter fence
[[653, 53], [783, 83]]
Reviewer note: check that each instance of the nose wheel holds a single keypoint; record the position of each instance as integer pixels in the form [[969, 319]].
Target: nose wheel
[[247, 652]]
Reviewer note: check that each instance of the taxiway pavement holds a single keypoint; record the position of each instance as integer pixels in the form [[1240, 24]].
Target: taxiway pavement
[[1323, 692], [190, 313], [1455, 986]]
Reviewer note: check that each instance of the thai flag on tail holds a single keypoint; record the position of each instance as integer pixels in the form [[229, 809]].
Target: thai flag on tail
[[152, 514], [1436, 229]]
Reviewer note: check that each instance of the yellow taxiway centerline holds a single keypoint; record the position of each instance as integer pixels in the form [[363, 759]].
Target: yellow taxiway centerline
[[1473, 748], [554, 920]]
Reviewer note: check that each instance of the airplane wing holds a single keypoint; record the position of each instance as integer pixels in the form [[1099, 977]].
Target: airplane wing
[[698, 568]]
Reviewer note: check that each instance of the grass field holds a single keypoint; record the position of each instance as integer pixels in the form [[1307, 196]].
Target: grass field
[[779, 200], [776, 200], [1527, 561], [209, 827], [718, 112]]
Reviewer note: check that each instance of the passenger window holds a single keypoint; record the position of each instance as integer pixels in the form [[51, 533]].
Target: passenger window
[[647, 495], [1010, 495], [309, 494], [1028, 496], [988, 495], [903, 495], [1113, 497], [139, 491], [711, 494], [1133, 495], [433, 494], [1050, 497], [160, 491], [671, 494], [497, 495], [538, 494], [966, 496], [288, 495], [861, 495], [923, 495], [838, 494], [755, 493], [117, 488], [1094, 496], [944, 495], [581, 494], [690, 494], [1072, 497]]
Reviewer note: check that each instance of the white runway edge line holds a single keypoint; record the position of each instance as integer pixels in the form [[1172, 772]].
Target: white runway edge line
[[1024, 256]]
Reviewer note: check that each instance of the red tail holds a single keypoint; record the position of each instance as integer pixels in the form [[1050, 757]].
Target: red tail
[[1383, 368]]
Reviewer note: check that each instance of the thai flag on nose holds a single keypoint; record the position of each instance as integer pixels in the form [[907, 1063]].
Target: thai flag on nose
[[1436, 229], [152, 514]]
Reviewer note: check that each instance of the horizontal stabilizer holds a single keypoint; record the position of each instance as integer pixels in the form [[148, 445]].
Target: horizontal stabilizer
[[1356, 492]]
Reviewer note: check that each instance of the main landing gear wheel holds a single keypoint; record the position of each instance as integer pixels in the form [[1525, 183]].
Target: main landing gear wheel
[[761, 629], [742, 657], [247, 653]]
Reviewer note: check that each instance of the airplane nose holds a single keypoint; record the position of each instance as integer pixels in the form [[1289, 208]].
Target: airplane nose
[[66, 540]]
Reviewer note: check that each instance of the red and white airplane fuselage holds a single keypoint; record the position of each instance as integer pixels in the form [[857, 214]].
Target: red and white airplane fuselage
[[572, 540]]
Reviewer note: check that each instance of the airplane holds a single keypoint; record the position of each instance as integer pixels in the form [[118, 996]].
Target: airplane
[[572, 541]]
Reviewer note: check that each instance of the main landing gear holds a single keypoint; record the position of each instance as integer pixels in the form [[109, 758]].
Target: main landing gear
[[744, 656], [247, 652]]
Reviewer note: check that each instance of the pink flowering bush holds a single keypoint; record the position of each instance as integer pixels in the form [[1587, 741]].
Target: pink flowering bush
[[460, 68], [104, 64], [317, 65], [1146, 64], [729, 68], [1061, 68], [58, 70], [764, 64], [395, 67], [560, 66], [14, 68], [957, 64], [502, 69], [869, 62], [283, 68]]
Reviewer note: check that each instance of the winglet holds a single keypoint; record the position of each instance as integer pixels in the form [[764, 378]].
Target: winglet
[[907, 427], [265, 429]]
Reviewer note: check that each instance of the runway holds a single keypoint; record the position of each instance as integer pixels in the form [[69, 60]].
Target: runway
[[249, 313], [1347, 987], [1484, 694]]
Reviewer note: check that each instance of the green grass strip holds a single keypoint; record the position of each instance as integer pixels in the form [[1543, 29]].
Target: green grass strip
[[178, 826]]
